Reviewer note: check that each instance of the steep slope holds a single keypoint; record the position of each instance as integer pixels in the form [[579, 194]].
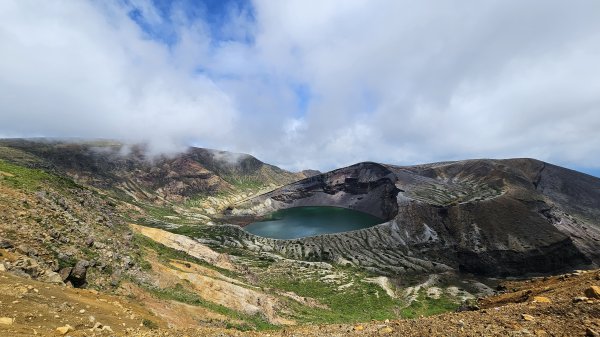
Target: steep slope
[[491, 217]]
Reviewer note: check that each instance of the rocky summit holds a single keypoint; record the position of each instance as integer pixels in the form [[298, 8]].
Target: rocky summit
[[100, 238]]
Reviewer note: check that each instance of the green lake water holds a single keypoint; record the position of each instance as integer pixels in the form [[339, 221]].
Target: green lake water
[[299, 222]]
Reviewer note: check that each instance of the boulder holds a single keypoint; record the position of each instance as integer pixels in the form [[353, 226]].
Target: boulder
[[65, 273], [589, 332], [541, 299], [75, 276], [468, 305], [52, 277], [63, 330], [78, 273], [593, 292], [527, 317], [7, 320], [26, 267], [5, 244]]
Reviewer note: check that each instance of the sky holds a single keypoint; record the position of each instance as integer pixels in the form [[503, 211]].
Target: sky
[[310, 84]]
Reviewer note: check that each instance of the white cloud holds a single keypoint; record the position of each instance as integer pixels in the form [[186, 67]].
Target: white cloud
[[391, 81], [76, 69]]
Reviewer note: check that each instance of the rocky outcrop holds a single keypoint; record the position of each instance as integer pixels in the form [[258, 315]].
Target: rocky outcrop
[[76, 275], [367, 187], [489, 217]]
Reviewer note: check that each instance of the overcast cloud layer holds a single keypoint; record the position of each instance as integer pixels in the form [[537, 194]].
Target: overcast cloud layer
[[310, 84]]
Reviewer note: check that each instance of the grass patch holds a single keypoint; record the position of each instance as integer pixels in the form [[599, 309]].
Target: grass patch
[[66, 262], [424, 306], [202, 231], [244, 183], [32, 179], [358, 303], [149, 324]]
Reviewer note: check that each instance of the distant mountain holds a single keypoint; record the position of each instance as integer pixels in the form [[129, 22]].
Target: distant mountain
[[309, 173], [129, 170], [492, 217]]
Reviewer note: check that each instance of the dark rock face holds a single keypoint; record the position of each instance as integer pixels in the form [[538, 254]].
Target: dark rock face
[[367, 187], [488, 217], [76, 275]]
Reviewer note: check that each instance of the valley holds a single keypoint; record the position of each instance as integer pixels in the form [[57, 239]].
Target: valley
[[104, 221]]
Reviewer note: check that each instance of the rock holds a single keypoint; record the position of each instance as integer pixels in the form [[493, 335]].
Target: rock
[[541, 299], [63, 330], [75, 276], [359, 328], [100, 327], [468, 305], [589, 332], [386, 330], [5, 244], [97, 326], [52, 277], [128, 262], [541, 333], [80, 269], [7, 320], [527, 317], [89, 242], [64, 273], [27, 250], [579, 299], [2, 267], [26, 267], [115, 278], [593, 292]]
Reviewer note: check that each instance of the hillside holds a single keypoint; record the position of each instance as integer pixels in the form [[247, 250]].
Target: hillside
[[552, 306], [129, 170], [102, 227]]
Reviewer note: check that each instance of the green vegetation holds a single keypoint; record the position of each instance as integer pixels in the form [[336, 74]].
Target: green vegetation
[[197, 200], [149, 324], [357, 303], [65, 262], [244, 183], [425, 306], [31, 179]]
